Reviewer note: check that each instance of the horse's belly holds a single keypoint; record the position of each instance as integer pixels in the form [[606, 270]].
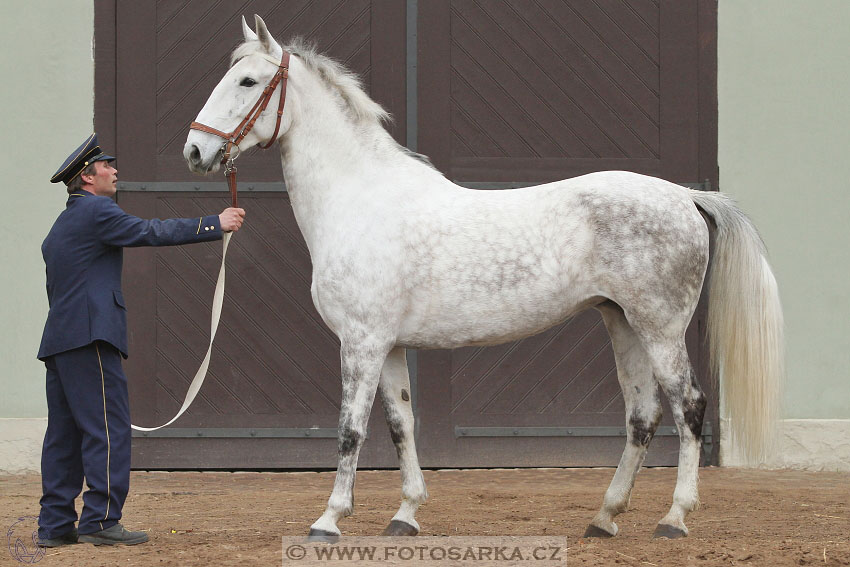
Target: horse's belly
[[490, 320], [500, 282]]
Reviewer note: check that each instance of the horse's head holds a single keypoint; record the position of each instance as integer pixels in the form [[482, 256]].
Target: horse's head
[[253, 65]]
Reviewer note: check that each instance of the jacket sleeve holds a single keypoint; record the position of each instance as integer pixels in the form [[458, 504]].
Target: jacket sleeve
[[117, 228]]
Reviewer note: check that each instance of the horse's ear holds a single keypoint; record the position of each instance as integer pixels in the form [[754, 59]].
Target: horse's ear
[[266, 39], [248, 32]]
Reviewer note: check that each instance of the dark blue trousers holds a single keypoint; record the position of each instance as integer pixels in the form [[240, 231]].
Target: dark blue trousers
[[88, 436]]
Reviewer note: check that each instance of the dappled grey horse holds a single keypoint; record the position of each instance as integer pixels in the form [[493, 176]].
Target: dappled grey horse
[[403, 258]]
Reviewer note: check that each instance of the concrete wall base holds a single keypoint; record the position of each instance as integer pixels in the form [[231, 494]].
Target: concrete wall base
[[20, 444], [805, 444]]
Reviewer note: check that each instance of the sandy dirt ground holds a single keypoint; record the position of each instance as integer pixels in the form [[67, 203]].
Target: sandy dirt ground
[[770, 518]]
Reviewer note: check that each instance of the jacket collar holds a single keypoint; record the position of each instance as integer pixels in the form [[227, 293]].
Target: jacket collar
[[78, 194]]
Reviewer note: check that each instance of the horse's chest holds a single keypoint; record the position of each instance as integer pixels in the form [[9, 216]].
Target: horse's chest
[[327, 296], [349, 289]]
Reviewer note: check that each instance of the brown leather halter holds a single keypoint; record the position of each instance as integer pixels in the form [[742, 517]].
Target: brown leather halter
[[238, 134]]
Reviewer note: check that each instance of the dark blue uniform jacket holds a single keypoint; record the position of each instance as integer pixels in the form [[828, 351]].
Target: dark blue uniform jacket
[[83, 254]]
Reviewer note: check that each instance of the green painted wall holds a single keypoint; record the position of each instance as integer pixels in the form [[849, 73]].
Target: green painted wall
[[784, 154], [47, 102]]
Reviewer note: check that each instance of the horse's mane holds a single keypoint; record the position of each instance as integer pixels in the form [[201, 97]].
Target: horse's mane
[[346, 83], [334, 74]]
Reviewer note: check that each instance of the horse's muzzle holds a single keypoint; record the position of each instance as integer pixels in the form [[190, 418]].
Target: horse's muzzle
[[196, 162]]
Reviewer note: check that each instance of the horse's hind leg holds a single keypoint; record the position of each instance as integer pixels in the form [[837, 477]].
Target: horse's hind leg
[[676, 376], [361, 369], [643, 412], [395, 395]]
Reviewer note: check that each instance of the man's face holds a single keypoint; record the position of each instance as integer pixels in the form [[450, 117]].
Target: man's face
[[104, 180]]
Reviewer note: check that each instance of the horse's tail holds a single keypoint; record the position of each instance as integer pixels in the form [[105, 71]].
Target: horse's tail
[[745, 328]]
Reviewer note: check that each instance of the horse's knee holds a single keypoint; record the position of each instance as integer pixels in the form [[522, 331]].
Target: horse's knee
[[349, 441], [642, 429]]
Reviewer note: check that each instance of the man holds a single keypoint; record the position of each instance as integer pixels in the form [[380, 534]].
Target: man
[[88, 423]]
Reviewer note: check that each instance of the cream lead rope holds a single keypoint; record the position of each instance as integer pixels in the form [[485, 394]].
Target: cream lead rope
[[198, 380], [232, 140]]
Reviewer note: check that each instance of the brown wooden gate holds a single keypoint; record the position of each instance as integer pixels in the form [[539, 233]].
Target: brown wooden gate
[[498, 94]]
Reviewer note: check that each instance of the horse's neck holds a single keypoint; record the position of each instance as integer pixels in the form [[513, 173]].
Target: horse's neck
[[327, 160]]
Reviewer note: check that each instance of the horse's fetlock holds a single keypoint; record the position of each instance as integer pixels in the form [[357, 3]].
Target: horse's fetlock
[[340, 507], [687, 502], [615, 504], [414, 490], [415, 499], [416, 496]]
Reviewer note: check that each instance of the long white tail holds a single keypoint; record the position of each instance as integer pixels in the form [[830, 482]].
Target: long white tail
[[745, 328]]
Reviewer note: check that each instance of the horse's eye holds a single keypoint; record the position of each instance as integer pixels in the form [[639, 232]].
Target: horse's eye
[[246, 82]]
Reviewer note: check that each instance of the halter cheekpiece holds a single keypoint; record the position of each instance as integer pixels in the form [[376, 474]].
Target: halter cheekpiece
[[238, 134]]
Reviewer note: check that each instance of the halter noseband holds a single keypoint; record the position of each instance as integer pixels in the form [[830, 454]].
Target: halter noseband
[[238, 134]]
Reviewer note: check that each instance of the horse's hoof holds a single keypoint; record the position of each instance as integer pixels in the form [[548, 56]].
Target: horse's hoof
[[596, 531], [668, 531], [399, 528], [322, 535]]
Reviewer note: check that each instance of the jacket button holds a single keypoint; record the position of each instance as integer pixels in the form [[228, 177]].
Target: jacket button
[[206, 228]]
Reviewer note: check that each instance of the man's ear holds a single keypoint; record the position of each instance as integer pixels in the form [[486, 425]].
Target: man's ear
[[90, 176]]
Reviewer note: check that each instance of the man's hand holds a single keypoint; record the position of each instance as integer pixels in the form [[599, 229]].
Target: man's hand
[[231, 219]]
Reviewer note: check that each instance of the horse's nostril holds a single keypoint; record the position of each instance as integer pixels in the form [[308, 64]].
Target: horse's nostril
[[195, 154]]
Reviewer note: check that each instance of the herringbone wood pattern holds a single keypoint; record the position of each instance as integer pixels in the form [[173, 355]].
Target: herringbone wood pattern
[[548, 78]]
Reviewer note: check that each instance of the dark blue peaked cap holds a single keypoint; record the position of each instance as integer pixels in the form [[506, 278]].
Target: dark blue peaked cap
[[88, 152]]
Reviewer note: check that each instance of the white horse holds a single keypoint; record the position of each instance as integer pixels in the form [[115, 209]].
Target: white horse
[[403, 258]]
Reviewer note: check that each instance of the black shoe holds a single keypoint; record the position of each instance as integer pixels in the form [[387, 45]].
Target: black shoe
[[65, 539], [114, 535]]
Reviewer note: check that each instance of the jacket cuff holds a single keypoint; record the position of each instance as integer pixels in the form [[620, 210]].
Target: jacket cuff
[[209, 225]]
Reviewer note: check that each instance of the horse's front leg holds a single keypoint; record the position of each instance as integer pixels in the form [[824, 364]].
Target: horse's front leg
[[361, 369], [396, 398]]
